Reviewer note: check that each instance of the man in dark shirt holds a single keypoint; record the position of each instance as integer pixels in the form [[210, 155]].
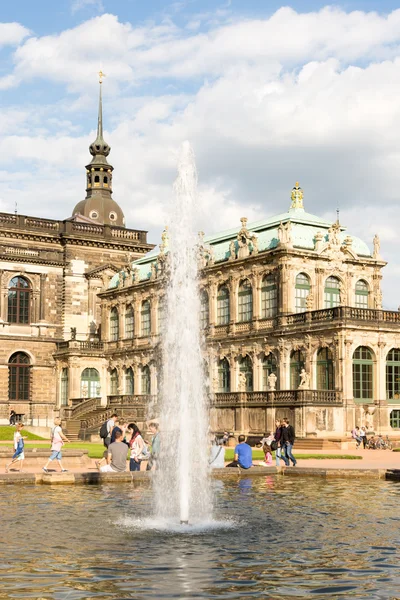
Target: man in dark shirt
[[288, 437], [278, 438]]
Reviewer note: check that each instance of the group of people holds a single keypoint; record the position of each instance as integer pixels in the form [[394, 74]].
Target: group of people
[[281, 441], [122, 438], [360, 436]]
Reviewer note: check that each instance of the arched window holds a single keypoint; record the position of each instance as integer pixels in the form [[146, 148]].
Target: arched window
[[269, 297], [363, 365], [19, 376], [145, 380], [325, 372], [246, 367], [362, 294], [129, 381], [96, 179], [129, 322], [64, 387], [145, 317], [223, 309], [105, 180], [393, 374], [302, 291], [268, 366], [204, 310], [19, 301], [395, 419], [245, 301], [114, 325], [297, 363], [224, 376], [90, 383], [114, 382], [332, 292]]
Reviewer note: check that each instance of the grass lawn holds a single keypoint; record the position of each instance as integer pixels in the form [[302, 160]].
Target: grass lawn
[[7, 434], [259, 455]]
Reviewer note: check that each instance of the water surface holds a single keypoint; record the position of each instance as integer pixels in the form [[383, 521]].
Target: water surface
[[282, 538]]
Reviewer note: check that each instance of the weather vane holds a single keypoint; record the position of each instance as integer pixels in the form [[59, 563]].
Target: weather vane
[[101, 75]]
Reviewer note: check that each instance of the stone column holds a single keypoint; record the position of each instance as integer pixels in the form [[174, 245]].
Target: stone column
[[42, 297], [256, 282], [233, 307], [136, 308], [2, 297], [136, 380], [153, 317], [213, 292]]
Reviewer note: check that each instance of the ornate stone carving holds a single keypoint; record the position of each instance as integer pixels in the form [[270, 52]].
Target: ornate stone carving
[[242, 382], [285, 234], [272, 378], [377, 247], [304, 380]]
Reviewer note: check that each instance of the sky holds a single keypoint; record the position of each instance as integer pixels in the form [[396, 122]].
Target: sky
[[267, 93]]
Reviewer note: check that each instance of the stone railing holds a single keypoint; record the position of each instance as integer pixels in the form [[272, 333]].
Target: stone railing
[[279, 397], [72, 227], [131, 400], [81, 345], [81, 407]]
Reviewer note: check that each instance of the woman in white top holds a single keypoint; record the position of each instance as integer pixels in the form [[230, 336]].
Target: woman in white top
[[137, 445], [18, 447]]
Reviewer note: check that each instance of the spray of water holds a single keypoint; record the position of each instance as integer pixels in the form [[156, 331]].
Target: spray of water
[[182, 487]]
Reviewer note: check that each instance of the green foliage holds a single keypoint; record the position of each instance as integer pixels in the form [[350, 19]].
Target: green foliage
[[7, 434], [95, 450]]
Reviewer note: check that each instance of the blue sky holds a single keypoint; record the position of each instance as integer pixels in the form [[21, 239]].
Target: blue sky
[[267, 92]]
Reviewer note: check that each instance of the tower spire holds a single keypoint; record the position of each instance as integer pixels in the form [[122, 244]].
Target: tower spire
[[99, 149]]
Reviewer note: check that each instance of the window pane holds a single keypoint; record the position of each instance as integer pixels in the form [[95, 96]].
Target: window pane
[[129, 323], [302, 291], [269, 298], [223, 311], [145, 318], [245, 302], [204, 310]]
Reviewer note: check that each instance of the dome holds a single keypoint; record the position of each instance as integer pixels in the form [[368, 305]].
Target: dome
[[101, 209]]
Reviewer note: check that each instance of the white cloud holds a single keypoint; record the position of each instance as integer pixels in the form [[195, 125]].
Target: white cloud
[[12, 34], [78, 5]]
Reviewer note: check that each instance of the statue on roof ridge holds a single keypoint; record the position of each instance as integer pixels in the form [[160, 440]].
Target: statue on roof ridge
[[297, 197]]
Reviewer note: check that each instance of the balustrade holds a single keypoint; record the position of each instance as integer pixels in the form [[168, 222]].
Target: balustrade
[[279, 397]]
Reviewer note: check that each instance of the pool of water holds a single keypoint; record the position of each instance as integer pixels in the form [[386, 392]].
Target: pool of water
[[274, 538]]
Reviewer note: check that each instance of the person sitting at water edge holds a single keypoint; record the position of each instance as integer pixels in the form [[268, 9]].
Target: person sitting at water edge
[[243, 455], [18, 455], [355, 434], [217, 454], [116, 456], [57, 441]]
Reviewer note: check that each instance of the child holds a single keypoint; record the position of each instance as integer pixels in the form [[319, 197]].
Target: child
[[57, 442], [267, 462], [18, 447]]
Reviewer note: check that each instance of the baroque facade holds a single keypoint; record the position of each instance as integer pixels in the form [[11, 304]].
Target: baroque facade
[[293, 325], [50, 315]]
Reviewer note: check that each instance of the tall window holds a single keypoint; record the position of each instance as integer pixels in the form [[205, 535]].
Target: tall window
[[90, 383], [269, 297], [114, 382], [129, 322], [362, 294], [114, 325], [245, 301], [145, 380], [129, 381], [393, 374], [268, 366], [246, 367], [325, 374], [19, 376], [204, 310], [223, 309], [363, 365], [19, 301], [297, 363], [395, 419], [145, 315], [224, 376], [64, 387], [332, 292], [302, 291]]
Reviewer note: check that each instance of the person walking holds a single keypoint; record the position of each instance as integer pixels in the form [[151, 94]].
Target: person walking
[[136, 444], [278, 440], [155, 447], [19, 446], [288, 435], [58, 439]]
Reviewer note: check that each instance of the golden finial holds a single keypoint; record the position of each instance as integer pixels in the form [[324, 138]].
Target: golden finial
[[101, 75], [297, 196]]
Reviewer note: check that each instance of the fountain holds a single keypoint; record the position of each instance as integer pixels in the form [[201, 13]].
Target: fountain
[[182, 487]]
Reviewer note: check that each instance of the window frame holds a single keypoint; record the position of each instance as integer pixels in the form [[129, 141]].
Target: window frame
[[361, 295], [269, 297], [223, 305], [129, 322], [331, 292], [114, 324], [19, 306], [93, 382], [245, 302], [363, 375], [224, 376], [301, 292], [145, 318], [325, 370], [19, 377]]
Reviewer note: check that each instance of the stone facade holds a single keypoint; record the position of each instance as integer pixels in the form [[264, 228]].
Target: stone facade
[[292, 295]]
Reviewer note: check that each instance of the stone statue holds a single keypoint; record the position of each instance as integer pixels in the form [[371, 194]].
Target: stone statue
[[254, 241], [85, 390], [310, 301], [272, 378], [153, 271], [242, 382], [342, 294], [333, 235], [377, 246], [369, 417], [304, 380], [73, 333], [285, 233], [232, 250]]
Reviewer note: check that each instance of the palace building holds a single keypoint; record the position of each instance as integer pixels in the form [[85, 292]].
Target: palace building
[[291, 313]]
